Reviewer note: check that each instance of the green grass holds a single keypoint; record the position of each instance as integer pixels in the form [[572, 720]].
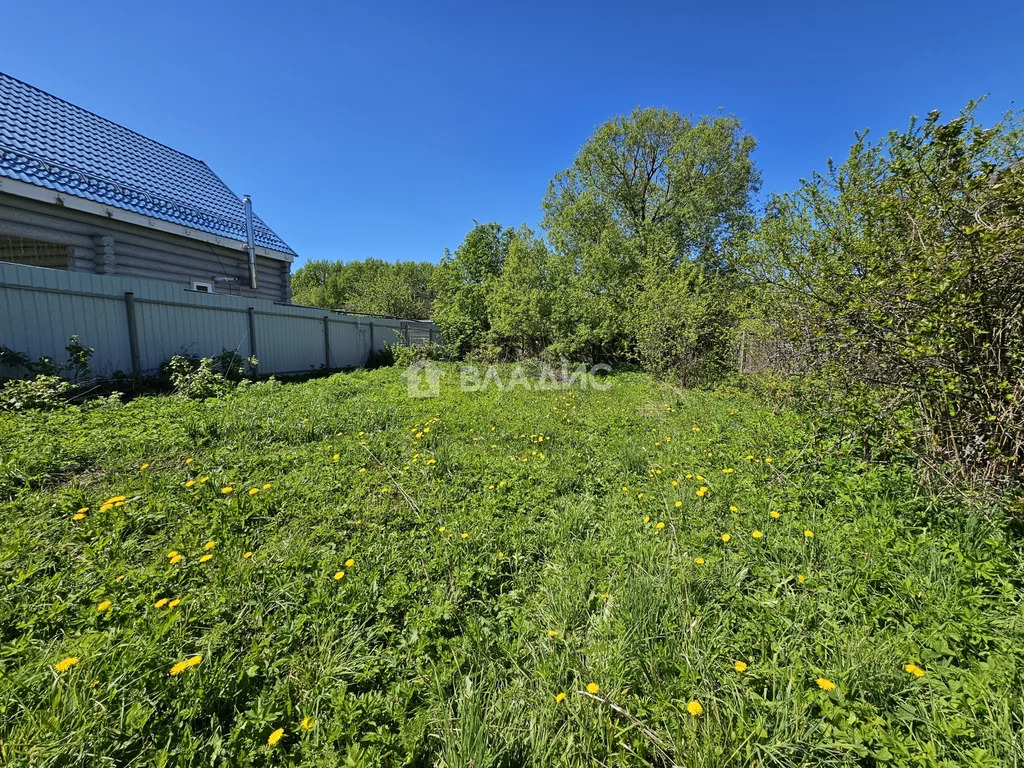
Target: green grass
[[435, 647]]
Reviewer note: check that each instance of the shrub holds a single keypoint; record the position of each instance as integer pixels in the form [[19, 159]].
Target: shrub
[[43, 392]]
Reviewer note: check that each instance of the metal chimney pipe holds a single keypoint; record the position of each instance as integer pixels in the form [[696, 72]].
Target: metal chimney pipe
[[251, 241]]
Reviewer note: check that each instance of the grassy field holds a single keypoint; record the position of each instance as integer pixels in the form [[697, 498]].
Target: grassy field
[[331, 573]]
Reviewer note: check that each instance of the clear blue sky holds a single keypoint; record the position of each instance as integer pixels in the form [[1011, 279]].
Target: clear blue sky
[[383, 129]]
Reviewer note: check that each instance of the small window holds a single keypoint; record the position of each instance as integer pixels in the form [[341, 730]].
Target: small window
[[202, 286]]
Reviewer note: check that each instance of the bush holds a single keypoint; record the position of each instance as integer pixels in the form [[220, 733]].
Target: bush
[[44, 392]]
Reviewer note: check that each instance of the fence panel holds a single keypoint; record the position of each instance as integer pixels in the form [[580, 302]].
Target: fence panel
[[134, 323]]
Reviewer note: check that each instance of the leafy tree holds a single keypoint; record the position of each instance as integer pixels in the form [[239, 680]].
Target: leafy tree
[[900, 276], [401, 289]]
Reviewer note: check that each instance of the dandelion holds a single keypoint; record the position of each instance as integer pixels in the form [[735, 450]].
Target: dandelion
[[203, 479], [734, 509], [552, 633], [176, 558], [227, 489], [825, 684], [64, 665], [81, 511], [740, 666], [339, 576], [702, 490], [647, 518], [659, 526], [728, 471], [174, 603], [774, 515], [189, 461], [190, 483], [757, 534], [725, 538], [699, 561], [605, 596], [253, 491], [205, 558], [559, 698], [194, 661], [385, 489], [349, 563], [914, 670], [103, 606], [308, 723], [679, 503], [178, 668], [593, 688], [767, 459], [501, 555], [247, 555], [106, 507], [78, 516], [675, 483], [809, 534], [275, 737], [209, 545], [695, 709], [465, 535], [144, 466], [161, 602], [267, 486], [801, 578]]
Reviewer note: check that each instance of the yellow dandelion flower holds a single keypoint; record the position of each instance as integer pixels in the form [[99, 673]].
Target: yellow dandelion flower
[[689, 476], [552, 633], [757, 534], [699, 561], [675, 483], [702, 490], [194, 661], [679, 503], [65, 664], [253, 491], [209, 545], [695, 708], [728, 471], [660, 525], [115, 499], [174, 603], [205, 558], [177, 558], [647, 518], [767, 459], [161, 602], [740, 666], [593, 688], [774, 515], [227, 489], [825, 684], [203, 479], [465, 535], [349, 563], [339, 576], [103, 606], [913, 669], [178, 668], [605, 596], [81, 511], [247, 555], [106, 507], [144, 466], [801, 578], [78, 516], [190, 483], [560, 697], [809, 534], [385, 489], [726, 537], [308, 723], [734, 509], [267, 486], [275, 737]]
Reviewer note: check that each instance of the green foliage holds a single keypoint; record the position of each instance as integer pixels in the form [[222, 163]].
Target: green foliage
[[42, 392], [434, 649], [200, 378], [373, 286], [899, 276]]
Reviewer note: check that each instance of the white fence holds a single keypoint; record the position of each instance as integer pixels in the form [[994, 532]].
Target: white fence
[[135, 325]]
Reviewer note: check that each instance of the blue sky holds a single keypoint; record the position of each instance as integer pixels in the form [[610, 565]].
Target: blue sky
[[384, 129]]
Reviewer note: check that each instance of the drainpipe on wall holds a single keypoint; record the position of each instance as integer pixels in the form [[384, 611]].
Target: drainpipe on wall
[[251, 242]]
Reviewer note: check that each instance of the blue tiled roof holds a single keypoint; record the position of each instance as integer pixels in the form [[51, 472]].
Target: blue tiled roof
[[48, 142]]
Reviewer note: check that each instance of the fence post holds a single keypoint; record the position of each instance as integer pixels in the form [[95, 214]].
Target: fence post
[[252, 338], [405, 333], [327, 342], [371, 339], [133, 333]]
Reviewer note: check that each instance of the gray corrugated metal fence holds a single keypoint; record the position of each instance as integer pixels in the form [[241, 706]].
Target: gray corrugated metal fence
[[135, 325]]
